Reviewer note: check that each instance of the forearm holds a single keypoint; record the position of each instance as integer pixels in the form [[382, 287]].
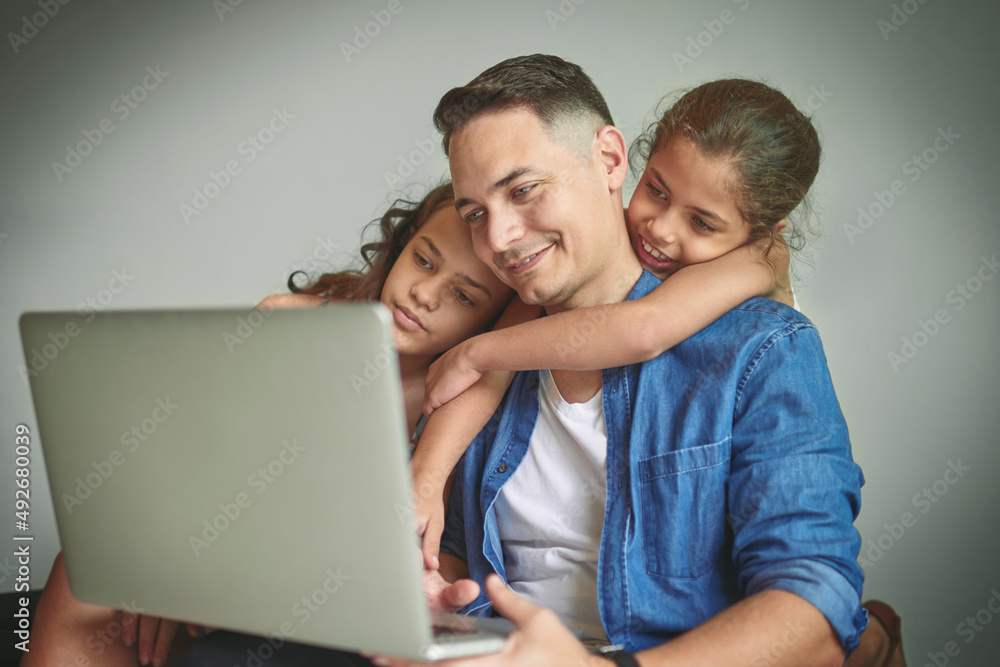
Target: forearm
[[773, 628], [451, 428], [628, 332]]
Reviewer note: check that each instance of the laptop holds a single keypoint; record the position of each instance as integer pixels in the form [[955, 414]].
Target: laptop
[[240, 470]]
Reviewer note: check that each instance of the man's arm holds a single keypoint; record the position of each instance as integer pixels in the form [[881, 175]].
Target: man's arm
[[793, 495], [772, 628]]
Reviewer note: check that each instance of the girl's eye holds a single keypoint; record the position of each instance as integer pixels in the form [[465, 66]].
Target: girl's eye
[[421, 261], [702, 225], [463, 298], [655, 191]]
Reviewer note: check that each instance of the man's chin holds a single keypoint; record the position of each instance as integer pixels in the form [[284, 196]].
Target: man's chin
[[545, 296]]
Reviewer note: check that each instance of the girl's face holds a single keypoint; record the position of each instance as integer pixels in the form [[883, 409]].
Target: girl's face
[[682, 211], [439, 294]]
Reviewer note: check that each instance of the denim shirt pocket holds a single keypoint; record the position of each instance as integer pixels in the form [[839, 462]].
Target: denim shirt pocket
[[683, 509]]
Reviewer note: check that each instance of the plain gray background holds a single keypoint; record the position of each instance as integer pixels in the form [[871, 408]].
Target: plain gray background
[[357, 121]]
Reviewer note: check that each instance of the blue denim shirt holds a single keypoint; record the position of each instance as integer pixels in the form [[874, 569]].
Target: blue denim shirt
[[729, 472]]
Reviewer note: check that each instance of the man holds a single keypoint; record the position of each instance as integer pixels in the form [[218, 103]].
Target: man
[[538, 169], [636, 510]]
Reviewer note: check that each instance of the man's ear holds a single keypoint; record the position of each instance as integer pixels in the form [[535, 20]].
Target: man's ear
[[612, 155]]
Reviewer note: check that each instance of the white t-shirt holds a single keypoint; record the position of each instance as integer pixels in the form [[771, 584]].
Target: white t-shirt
[[551, 511]]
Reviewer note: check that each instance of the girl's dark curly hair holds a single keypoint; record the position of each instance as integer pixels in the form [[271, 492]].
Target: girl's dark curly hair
[[396, 227]]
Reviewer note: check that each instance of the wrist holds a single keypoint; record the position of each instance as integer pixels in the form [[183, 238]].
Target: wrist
[[428, 481], [471, 354]]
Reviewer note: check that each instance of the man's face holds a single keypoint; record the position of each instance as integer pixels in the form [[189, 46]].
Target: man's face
[[537, 209]]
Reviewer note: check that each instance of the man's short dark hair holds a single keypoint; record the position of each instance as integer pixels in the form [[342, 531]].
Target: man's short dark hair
[[550, 87]]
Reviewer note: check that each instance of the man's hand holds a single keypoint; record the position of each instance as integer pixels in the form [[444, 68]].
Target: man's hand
[[449, 376], [540, 640]]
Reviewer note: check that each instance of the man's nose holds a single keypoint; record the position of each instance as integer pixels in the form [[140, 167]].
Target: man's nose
[[503, 229]]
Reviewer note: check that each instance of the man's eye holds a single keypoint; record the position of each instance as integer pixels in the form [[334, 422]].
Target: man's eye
[[463, 298], [421, 261], [523, 190], [472, 217]]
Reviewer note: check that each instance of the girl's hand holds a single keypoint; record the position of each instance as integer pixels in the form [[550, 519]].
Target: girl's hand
[[155, 636], [449, 376], [428, 506]]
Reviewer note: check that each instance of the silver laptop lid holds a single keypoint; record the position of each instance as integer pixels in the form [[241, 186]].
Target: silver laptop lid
[[220, 467]]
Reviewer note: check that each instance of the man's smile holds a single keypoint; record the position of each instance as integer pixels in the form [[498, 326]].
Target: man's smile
[[526, 262]]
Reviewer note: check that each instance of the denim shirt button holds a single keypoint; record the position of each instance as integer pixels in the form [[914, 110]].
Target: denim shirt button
[[534, 383], [502, 467]]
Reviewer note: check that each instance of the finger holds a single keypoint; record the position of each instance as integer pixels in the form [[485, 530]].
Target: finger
[[164, 638], [429, 406], [508, 604], [129, 621], [460, 593], [422, 519], [431, 545], [148, 625]]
